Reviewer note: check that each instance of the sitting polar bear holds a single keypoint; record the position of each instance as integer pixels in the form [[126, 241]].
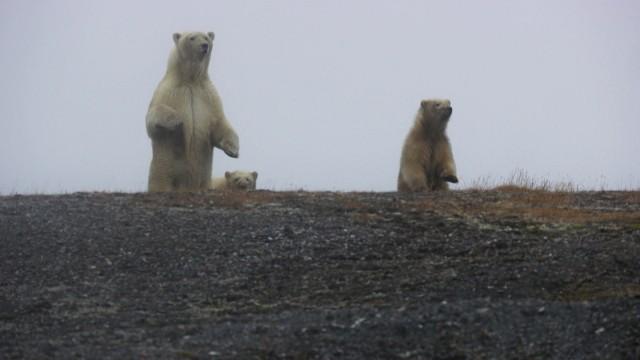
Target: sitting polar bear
[[235, 180], [185, 120], [427, 162]]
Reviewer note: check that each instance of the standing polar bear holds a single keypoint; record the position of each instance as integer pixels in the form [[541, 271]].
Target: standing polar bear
[[427, 161], [185, 120]]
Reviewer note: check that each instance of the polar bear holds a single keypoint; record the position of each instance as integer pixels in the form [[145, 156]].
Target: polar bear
[[235, 180], [185, 120], [427, 160]]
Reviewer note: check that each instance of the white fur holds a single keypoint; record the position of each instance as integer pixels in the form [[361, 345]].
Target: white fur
[[186, 119], [235, 180], [427, 161]]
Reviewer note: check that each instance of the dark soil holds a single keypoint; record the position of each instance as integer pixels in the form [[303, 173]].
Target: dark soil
[[456, 275]]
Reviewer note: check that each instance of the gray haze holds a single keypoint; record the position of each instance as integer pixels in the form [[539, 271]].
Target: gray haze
[[322, 93]]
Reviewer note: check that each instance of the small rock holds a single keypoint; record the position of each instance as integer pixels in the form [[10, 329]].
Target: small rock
[[357, 323]]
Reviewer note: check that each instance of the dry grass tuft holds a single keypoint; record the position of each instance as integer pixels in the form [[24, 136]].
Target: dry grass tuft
[[632, 197], [590, 292], [521, 181], [529, 205], [522, 200]]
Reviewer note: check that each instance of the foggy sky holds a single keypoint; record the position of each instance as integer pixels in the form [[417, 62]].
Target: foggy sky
[[322, 93]]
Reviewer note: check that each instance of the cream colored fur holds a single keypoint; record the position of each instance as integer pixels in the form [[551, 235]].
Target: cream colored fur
[[185, 120], [427, 161], [235, 180]]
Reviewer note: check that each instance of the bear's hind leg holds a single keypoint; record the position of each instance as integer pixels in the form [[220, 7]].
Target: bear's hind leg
[[439, 185], [414, 182]]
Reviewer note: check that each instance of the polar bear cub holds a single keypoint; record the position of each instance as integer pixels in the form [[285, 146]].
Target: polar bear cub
[[185, 120], [235, 180], [427, 161]]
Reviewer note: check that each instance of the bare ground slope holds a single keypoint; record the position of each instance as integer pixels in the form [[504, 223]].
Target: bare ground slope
[[464, 274]]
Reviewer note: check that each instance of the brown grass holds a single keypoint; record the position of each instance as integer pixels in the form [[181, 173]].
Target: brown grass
[[529, 198], [504, 202], [632, 197], [588, 291], [531, 205], [519, 180]]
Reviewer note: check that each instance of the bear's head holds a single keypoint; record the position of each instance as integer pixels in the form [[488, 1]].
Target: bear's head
[[241, 180], [436, 113], [194, 46]]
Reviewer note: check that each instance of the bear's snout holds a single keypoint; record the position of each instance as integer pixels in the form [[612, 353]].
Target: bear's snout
[[448, 110], [204, 47]]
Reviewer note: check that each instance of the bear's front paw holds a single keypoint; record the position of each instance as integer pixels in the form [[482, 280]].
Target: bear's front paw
[[170, 124], [164, 118], [230, 148], [450, 178]]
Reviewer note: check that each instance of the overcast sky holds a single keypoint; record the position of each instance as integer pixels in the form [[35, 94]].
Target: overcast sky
[[322, 93]]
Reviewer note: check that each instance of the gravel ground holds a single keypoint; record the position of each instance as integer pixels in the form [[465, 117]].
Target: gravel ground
[[304, 275]]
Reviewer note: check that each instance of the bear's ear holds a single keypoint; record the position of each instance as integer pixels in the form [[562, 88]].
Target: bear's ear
[[211, 35], [176, 37], [424, 104], [227, 174], [255, 175]]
